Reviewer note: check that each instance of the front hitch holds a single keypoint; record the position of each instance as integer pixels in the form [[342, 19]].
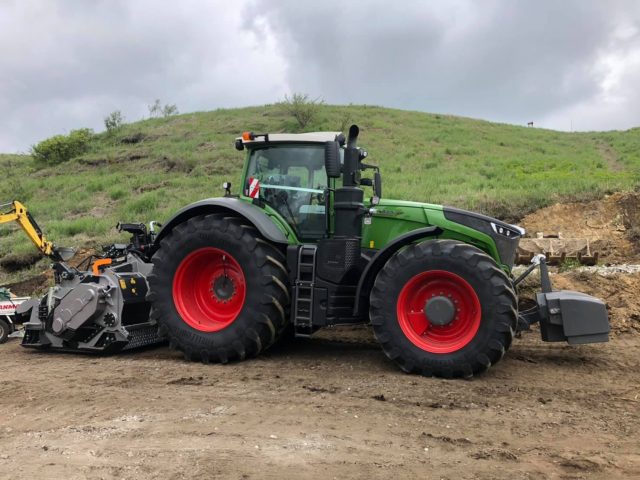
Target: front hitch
[[564, 315]]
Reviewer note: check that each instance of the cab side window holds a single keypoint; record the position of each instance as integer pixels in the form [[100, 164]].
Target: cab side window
[[293, 181]]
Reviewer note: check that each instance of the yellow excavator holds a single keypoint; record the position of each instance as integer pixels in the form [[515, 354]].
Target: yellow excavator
[[17, 212]]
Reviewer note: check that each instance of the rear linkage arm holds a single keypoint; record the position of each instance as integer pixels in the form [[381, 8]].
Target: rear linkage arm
[[537, 261]]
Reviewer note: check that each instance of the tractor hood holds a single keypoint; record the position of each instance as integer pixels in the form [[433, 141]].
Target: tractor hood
[[458, 215], [480, 222], [505, 236]]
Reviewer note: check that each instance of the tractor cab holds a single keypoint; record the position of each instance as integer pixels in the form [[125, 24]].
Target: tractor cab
[[292, 179], [297, 176]]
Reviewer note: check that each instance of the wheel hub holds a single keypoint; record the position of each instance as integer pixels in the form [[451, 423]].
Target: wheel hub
[[223, 288], [439, 311]]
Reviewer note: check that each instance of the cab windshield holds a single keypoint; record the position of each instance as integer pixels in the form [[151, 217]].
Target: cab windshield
[[293, 181]]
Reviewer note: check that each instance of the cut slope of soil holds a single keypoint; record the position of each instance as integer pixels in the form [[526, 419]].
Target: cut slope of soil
[[15, 262], [618, 290], [29, 287], [612, 225]]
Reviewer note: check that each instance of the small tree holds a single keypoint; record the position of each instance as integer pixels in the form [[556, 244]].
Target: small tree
[[301, 107], [157, 110], [169, 110], [114, 121]]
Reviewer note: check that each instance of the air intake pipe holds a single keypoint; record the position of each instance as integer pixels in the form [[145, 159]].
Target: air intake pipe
[[348, 199]]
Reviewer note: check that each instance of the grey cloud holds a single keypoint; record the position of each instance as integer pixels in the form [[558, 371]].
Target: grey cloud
[[503, 60], [66, 65]]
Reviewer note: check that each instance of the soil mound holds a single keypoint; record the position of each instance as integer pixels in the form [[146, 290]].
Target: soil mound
[[611, 225], [618, 290]]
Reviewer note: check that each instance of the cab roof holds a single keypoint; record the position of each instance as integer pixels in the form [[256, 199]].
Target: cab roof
[[250, 139]]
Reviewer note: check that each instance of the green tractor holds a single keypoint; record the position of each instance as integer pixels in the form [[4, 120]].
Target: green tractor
[[300, 249], [300, 246]]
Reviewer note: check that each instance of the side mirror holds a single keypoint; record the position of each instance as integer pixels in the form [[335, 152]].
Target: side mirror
[[377, 188], [332, 159]]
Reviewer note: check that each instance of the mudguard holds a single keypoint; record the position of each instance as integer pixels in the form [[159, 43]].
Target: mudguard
[[380, 258], [251, 213]]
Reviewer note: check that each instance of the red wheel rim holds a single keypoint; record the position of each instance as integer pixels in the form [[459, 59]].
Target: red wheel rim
[[209, 289], [429, 335]]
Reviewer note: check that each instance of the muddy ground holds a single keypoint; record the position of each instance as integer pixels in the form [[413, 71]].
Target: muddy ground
[[335, 407], [321, 409]]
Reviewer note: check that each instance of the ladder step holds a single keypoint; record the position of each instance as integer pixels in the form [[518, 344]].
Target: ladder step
[[303, 293]]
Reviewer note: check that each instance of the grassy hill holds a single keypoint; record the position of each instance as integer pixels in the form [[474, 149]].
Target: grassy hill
[[149, 169]]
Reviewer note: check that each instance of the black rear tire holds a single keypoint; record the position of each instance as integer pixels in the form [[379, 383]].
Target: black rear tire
[[5, 330], [263, 314], [476, 350]]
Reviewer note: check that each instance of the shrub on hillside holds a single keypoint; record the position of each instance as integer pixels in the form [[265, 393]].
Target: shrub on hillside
[[114, 121], [301, 107], [157, 110], [61, 148], [169, 110]]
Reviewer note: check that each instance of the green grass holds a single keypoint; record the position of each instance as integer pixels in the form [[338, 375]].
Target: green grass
[[502, 170]]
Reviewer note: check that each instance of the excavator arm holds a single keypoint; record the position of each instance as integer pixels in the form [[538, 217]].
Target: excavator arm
[[18, 213]]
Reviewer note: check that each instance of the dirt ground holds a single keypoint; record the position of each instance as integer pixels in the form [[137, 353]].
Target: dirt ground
[[321, 408], [335, 407]]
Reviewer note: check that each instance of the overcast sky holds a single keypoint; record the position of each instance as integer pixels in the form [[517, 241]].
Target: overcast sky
[[66, 64]]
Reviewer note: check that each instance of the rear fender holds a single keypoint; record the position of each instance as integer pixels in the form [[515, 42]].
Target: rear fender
[[254, 215]]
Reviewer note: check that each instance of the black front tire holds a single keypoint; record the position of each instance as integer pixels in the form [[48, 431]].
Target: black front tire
[[263, 315], [492, 287], [5, 330]]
